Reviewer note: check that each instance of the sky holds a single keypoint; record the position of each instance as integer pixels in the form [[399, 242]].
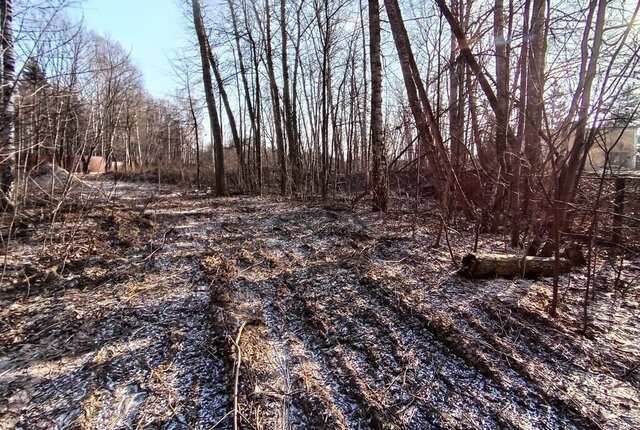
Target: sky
[[151, 30]]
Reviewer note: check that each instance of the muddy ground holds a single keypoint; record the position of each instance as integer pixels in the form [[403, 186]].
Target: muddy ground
[[144, 312]]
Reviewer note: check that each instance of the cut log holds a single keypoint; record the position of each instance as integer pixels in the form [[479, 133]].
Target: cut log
[[510, 266]]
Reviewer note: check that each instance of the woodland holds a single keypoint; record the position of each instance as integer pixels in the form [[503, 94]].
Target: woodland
[[350, 214]]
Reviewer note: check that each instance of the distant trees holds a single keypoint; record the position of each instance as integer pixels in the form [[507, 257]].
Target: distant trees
[[295, 91], [95, 104], [490, 106], [74, 95], [189, 104]]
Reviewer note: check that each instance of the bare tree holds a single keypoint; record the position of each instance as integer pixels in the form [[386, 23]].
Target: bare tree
[[379, 178], [275, 97], [502, 114], [227, 107], [252, 109], [216, 129], [291, 126], [7, 148]]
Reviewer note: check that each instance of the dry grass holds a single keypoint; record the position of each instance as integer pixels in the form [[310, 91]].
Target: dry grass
[[351, 320]]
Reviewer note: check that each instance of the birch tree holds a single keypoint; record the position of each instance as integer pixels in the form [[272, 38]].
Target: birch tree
[[7, 148]]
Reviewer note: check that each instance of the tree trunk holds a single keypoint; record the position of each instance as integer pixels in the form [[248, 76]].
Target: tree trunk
[[516, 168], [216, 129], [426, 121], [502, 114], [7, 148], [289, 117], [456, 105], [275, 100], [363, 151], [510, 266], [535, 64], [570, 174], [197, 135], [326, 36], [227, 107], [255, 127], [404, 54], [535, 83], [379, 176]]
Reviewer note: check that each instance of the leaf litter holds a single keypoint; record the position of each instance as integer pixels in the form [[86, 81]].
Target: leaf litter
[[129, 317]]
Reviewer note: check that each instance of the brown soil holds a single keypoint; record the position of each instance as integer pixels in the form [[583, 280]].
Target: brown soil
[[126, 316]]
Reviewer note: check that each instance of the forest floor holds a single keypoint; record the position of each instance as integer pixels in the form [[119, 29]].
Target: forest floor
[[127, 314]]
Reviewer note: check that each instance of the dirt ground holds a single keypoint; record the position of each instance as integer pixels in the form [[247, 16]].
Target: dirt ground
[[175, 310]]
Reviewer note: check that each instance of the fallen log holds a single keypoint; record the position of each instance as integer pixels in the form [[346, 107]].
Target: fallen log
[[510, 266]]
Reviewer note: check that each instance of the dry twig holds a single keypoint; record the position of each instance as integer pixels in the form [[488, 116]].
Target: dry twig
[[237, 376]]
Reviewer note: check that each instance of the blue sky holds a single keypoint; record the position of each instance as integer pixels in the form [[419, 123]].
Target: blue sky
[[152, 30]]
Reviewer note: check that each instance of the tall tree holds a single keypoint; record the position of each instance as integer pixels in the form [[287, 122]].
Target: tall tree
[[516, 167], [476, 68], [7, 149], [572, 168], [216, 129], [535, 61], [237, 144], [431, 141], [326, 30], [456, 101], [379, 176], [275, 99], [533, 73], [252, 110], [502, 93], [289, 117]]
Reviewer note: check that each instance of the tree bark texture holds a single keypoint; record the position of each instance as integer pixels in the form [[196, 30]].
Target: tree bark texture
[[379, 176], [404, 56], [510, 266], [291, 127], [229, 111], [216, 129], [502, 114], [7, 148]]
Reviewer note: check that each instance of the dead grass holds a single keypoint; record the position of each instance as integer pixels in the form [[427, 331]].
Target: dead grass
[[128, 318]]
